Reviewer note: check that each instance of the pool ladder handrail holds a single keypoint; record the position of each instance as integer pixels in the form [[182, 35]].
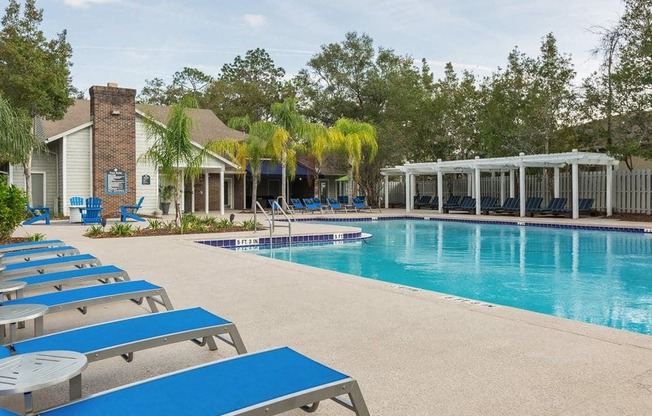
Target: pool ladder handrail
[[272, 222]]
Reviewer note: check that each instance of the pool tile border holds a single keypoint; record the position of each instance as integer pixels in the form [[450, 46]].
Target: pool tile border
[[513, 223], [283, 241]]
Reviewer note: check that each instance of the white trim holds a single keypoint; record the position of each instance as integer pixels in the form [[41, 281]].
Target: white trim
[[11, 174], [68, 132], [90, 159], [64, 176], [230, 180], [222, 191]]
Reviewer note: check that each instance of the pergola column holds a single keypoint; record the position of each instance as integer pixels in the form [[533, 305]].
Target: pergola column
[[408, 190], [512, 183], [477, 191], [386, 191], [413, 189], [521, 186], [192, 200], [556, 182], [502, 186], [575, 186], [469, 184], [440, 191], [609, 189], [206, 190], [222, 191]]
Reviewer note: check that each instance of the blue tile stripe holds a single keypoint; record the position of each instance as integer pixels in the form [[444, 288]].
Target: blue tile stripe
[[284, 241], [513, 223]]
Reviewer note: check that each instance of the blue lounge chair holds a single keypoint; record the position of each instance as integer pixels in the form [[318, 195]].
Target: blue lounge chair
[[335, 205], [555, 204], [359, 205], [424, 201], [453, 201], [297, 205], [434, 203], [27, 268], [125, 336], [103, 274], [488, 203], [343, 199], [466, 203], [266, 382], [311, 205], [27, 255], [29, 245], [38, 214], [510, 205], [82, 298], [91, 214], [131, 211], [532, 204]]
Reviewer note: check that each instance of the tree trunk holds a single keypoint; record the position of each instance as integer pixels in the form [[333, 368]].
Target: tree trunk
[[284, 179], [177, 204], [315, 185], [351, 182], [27, 171]]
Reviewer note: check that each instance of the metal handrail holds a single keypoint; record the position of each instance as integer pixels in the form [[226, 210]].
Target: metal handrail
[[289, 221], [272, 222], [269, 221]]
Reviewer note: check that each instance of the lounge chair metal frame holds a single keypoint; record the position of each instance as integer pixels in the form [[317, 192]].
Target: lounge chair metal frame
[[82, 298], [30, 245], [202, 336], [103, 274], [14, 270], [27, 255]]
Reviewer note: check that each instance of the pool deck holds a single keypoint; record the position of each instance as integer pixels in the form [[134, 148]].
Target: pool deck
[[413, 352]]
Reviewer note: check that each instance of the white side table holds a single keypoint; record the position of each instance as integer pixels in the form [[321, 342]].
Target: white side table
[[75, 213], [13, 314], [25, 373]]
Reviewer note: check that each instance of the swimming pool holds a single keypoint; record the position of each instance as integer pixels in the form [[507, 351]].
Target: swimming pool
[[599, 277]]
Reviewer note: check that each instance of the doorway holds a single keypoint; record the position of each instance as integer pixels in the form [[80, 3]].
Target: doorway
[[38, 189]]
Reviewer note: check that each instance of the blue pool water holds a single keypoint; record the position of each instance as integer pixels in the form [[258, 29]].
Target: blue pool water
[[599, 277]]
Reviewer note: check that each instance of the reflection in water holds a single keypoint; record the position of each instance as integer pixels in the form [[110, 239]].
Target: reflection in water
[[599, 277]]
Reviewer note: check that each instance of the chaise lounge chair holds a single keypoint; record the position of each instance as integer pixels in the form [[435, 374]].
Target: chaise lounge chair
[[30, 245], [453, 201], [555, 204], [510, 206], [38, 214], [312, 205], [467, 203], [27, 255], [434, 203], [28, 268], [359, 205], [261, 383], [297, 205], [124, 337], [131, 211], [83, 297], [532, 204], [103, 274], [584, 206], [334, 205], [423, 201]]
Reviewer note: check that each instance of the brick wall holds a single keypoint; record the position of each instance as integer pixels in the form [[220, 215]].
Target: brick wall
[[113, 111]]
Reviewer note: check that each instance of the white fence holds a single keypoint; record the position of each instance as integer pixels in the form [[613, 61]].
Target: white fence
[[632, 191]]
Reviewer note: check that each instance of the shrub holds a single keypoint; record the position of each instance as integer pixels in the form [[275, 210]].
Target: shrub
[[36, 237], [94, 231], [120, 229], [13, 205], [155, 224], [250, 225]]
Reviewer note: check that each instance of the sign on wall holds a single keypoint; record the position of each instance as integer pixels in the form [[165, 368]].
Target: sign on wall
[[145, 180], [115, 182]]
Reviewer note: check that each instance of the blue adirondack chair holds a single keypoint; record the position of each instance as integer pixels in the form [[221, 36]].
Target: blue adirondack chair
[[91, 214], [38, 214], [131, 211]]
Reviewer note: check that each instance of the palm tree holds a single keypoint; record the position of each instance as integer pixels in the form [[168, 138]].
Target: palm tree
[[17, 143], [252, 150], [315, 144], [351, 138], [291, 128], [173, 147]]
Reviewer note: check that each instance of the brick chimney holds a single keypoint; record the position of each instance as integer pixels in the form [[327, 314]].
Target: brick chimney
[[113, 112]]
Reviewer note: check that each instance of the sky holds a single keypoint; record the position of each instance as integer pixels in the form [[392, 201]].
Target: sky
[[131, 41]]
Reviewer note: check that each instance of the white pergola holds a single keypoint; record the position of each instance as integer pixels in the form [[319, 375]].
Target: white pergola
[[473, 167]]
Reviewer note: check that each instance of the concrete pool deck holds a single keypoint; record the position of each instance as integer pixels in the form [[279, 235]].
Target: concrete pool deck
[[413, 352]]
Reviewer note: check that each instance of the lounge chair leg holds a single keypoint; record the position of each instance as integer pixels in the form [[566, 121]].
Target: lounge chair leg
[[357, 401], [206, 341], [128, 357], [152, 304], [312, 408], [83, 310]]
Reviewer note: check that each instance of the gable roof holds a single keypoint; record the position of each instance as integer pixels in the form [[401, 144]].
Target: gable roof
[[207, 125]]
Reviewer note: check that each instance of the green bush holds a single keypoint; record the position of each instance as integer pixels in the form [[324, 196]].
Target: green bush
[[120, 229], [250, 225], [13, 205], [36, 237], [94, 231]]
